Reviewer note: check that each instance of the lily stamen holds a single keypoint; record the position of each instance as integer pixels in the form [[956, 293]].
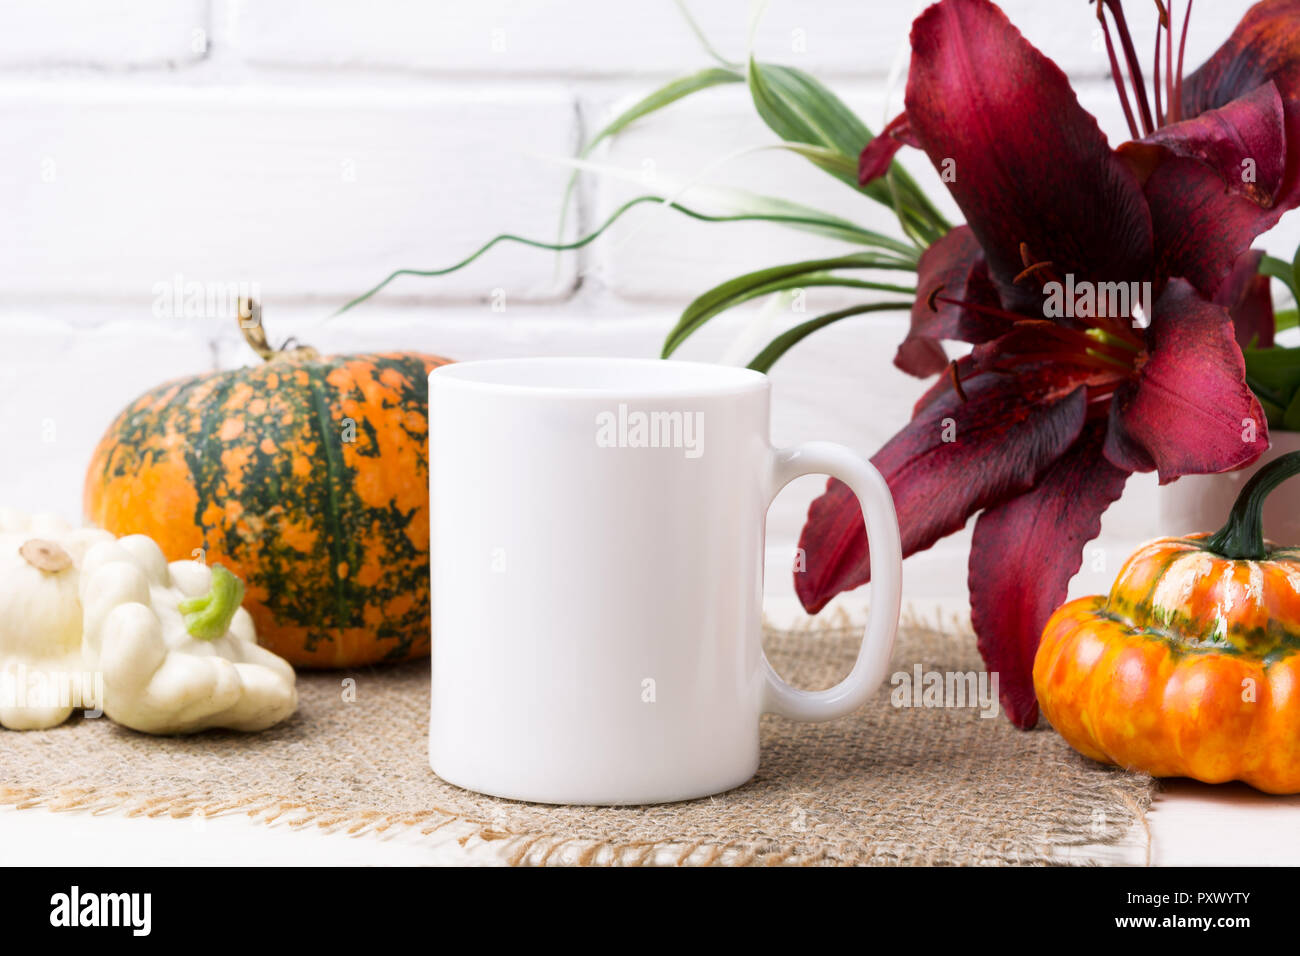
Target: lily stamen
[[1176, 102], [1134, 70], [956, 381], [1162, 21], [932, 297], [1035, 269], [989, 310], [1167, 87], [1082, 359], [1080, 340], [1169, 58], [1115, 72], [1034, 265]]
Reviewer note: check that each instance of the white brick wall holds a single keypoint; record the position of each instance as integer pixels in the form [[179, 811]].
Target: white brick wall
[[312, 147], [113, 35], [311, 192]]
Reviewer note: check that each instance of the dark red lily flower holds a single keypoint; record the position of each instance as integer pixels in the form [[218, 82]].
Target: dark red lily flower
[[1246, 296], [1038, 428]]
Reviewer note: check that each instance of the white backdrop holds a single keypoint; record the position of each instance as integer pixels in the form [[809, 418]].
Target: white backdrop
[[311, 148]]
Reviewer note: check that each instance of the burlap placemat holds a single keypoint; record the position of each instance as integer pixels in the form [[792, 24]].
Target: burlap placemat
[[937, 785]]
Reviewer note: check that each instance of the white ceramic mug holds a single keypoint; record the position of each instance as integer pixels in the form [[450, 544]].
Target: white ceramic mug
[[597, 555]]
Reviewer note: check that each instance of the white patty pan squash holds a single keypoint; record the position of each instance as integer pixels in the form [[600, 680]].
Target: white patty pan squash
[[177, 652], [42, 675]]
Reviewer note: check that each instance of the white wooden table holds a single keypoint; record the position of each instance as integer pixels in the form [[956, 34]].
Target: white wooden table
[[1190, 824]]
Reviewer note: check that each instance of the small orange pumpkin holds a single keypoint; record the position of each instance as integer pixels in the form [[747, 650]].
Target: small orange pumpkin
[[1190, 667]]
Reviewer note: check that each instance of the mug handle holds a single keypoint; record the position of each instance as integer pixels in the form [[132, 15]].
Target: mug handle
[[827, 458]]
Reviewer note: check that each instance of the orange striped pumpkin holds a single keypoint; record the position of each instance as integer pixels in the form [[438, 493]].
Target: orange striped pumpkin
[[305, 475]]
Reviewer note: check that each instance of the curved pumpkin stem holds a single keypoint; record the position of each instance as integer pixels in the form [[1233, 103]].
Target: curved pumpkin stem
[[1242, 537], [250, 325], [254, 332]]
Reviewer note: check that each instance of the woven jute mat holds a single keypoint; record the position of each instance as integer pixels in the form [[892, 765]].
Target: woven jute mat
[[888, 785]]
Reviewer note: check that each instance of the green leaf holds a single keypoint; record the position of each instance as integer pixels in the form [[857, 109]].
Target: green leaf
[[895, 261], [670, 93], [837, 164], [1283, 271], [765, 359], [699, 34], [740, 202], [1274, 376], [1291, 417], [799, 109], [679, 88], [773, 279], [1276, 370], [1295, 275], [1273, 412], [808, 280], [1286, 320], [808, 219]]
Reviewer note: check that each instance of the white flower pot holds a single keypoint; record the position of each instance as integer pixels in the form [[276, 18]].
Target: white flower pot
[[1202, 502]]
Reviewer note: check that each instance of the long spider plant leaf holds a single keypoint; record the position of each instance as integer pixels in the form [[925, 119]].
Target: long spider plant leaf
[[773, 279], [765, 359]]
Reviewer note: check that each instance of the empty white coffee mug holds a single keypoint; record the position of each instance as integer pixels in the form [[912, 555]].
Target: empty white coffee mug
[[596, 539]]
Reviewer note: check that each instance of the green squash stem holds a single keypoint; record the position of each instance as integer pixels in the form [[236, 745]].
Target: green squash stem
[[1242, 537], [208, 616]]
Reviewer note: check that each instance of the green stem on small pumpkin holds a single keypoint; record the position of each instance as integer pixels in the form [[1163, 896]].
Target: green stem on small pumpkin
[[208, 616], [1242, 536]]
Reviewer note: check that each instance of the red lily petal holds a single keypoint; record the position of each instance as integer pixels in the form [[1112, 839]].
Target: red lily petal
[[1246, 296], [942, 388], [954, 267], [1252, 314], [1024, 346], [879, 153], [1030, 164], [1264, 46], [1249, 130], [1203, 228], [921, 357], [1189, 410], [1044, 529], [954, 458], [1033, 337], [1121, 449]]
